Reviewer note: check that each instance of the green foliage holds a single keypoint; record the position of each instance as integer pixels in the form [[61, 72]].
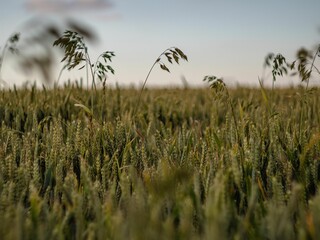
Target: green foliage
[[186, 172]]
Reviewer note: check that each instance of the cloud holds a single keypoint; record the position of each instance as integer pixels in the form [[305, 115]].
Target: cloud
[[66, 5]]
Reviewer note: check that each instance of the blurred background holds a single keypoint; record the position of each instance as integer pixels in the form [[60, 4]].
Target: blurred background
[[229, 39]]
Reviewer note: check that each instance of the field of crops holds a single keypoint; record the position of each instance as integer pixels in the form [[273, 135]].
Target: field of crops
[[183, 164]]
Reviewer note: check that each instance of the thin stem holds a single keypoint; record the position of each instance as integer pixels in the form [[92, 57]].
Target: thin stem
[[143, 85], [312, 65], [2, 57], [91, 69], [92, 74], [87, 73], [317, 70], [60, 73]]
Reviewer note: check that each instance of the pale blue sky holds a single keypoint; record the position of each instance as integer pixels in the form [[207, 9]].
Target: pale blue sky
[[223, 38]]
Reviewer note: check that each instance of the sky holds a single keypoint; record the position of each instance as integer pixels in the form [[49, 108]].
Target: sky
[[228, 39]]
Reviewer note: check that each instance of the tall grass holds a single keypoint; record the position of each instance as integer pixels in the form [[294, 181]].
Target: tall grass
[[182, 175]]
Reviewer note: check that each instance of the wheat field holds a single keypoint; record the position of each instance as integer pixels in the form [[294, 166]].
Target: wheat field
[[188, 164]]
